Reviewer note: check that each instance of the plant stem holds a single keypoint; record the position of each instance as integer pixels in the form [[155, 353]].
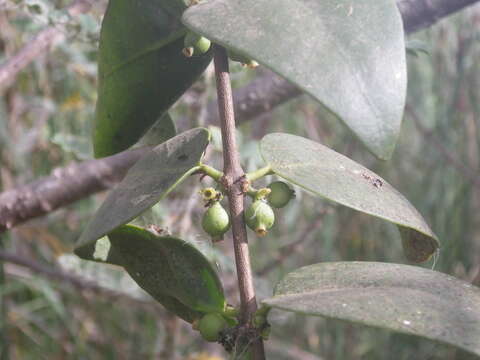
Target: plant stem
[[4, 354], [258, 174], [233, 179], [212, 172]]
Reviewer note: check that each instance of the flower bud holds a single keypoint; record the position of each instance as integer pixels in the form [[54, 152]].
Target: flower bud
[[245, 61]]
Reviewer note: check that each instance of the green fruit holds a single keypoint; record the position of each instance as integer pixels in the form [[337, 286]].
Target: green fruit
[[280, 195], [259, 217], [195, 45], [216, 221], [210, 326]]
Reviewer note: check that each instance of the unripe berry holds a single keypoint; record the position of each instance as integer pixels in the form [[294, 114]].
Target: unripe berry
[[210, 326], [216, 221], [259, 217], [195, 45], [280, 195]]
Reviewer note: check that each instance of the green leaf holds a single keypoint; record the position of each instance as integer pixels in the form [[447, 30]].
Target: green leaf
[[171, 270], [162, 130], [331, 175], [396, 297], [349, 55], [146, 183], [176, 7], [142, 72]]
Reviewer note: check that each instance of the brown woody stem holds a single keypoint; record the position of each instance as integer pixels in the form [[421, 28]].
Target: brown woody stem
[[234, 181]]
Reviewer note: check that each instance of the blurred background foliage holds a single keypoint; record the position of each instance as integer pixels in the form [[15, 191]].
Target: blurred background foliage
[[97, 312]]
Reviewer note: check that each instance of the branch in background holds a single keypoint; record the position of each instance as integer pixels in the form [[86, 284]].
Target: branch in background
[[4, 334], [261, 95], [419, 14], [38, 45], [60, 275], [64, 187]]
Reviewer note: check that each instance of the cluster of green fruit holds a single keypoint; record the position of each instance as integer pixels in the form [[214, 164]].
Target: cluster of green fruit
[[196, 45], [214, 327], [259, 216]]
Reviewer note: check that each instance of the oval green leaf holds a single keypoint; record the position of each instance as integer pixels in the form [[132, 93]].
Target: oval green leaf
[[166, 268], [333, 176], [348, 55], [146, 183], [142, 72], [396, 297]]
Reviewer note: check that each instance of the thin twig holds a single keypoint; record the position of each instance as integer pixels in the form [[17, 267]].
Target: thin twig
[[4, 348], [38, 45], [233, 180], [287, 251], [447, 155]]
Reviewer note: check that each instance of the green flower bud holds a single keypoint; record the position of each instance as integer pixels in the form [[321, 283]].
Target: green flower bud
[[245, 61], [216, 221], [210, 326], [195, 45], [280, 195], [259, 217]]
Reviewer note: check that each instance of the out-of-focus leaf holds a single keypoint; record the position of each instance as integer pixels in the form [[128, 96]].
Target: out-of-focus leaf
[[146, 183], [335, 177], [142, 72], [176, 7], [78, 145], [349, 55], [396, 297], [416, 47]]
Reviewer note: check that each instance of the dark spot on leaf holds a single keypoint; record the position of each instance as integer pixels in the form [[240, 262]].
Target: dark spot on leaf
[[376, 182], [182, 157]]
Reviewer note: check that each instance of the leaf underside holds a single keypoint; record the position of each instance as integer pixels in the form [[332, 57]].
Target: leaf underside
[[171, 270], [348, 55], [396, 297], [146, 183], [335, 177]]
